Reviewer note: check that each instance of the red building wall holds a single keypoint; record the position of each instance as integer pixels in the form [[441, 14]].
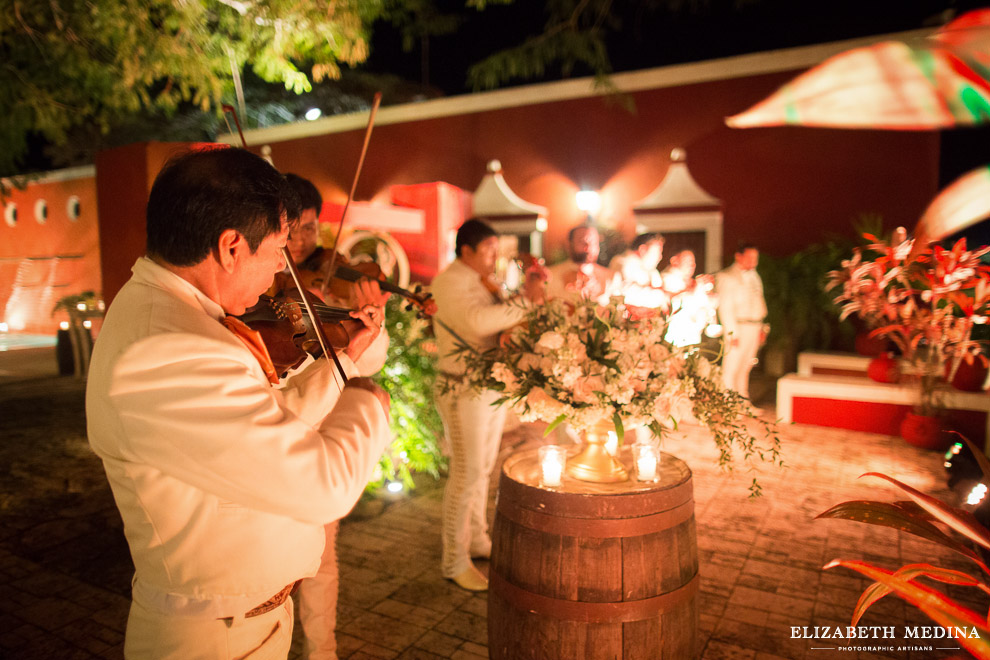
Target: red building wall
[[43, 261], [782, 188], [123, 178]]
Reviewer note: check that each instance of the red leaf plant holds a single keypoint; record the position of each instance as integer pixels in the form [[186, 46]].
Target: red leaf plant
[[925, 300], [933, 520]]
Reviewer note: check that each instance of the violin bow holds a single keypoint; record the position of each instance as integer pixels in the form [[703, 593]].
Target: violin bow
[[321, 336], [357, 174]]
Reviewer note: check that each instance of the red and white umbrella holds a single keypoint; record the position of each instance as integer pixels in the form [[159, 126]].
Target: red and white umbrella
[[962, 204], [890, 85]]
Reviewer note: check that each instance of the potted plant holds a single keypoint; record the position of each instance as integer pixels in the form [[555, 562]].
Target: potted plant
[[925, 300]]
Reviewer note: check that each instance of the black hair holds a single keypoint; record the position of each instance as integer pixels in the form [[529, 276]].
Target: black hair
[[471, 234], [200, 194], [645, 238], [576, 229], [309, 196], [743, 246]]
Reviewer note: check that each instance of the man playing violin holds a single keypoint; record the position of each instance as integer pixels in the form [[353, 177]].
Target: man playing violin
[[317, 595], [224, 483], [471, 309], [304, 235]]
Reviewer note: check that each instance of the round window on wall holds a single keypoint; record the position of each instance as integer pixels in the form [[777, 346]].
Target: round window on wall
[[10, 214], [41, 211], [72, 208]]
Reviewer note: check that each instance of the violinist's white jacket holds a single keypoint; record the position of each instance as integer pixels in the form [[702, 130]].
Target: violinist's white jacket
[[224, 483]]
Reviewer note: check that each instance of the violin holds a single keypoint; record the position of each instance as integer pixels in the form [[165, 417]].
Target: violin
[[346, 273], [288, 333]]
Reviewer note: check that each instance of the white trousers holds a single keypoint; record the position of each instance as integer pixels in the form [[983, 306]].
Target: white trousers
[[738, 360], [317, 598], [473, 429], [155, 636]]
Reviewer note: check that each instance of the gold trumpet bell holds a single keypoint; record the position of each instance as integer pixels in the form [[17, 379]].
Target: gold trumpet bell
[[594, 463]]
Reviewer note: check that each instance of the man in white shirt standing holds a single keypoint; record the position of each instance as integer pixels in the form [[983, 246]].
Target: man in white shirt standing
[[742, 310], [469, 306], [223, 481]]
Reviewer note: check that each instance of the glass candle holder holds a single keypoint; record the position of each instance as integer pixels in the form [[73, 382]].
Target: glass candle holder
[[646, 457], [552, 459]]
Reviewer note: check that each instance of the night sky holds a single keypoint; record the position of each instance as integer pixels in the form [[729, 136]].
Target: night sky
[[648, 34]]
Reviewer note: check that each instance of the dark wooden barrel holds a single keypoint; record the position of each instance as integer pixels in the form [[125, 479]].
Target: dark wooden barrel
[[593, 571]]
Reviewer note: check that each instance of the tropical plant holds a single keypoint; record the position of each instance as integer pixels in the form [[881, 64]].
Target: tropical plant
[[408, 377], [933, 520], [586, 364], [924, 299], [800, 313], [80, 305]]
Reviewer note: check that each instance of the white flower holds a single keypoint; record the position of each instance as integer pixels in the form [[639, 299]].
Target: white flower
[[704, 368], [550, 341], [503, 374], [661, 408]]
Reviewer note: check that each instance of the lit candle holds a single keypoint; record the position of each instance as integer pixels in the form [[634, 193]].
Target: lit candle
[[647, 459], [612, 444], [552, 458]]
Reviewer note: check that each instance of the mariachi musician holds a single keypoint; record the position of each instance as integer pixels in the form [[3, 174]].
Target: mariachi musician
[[317, 595], [470, 308], [224, 483]]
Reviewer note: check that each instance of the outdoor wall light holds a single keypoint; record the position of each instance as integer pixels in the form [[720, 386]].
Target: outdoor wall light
[[589, 201]]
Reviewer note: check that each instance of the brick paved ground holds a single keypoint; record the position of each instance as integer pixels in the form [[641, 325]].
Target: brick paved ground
[[65, 571]]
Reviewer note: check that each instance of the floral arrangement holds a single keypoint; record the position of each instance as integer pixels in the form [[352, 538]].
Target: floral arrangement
[[933, 520], [924, 299], [586, 363]]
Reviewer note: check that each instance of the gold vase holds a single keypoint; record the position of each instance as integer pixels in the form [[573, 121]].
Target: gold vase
[[593, 462]]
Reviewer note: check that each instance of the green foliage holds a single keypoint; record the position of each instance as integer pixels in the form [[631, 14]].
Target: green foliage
[[408, 376], [81, 305], [801, 314], [90, 62], [573, 35]]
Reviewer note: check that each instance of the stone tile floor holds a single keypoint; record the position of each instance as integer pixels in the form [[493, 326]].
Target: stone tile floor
[[65, 572]]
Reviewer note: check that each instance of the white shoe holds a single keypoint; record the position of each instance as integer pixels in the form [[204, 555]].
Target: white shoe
[[471, 579], [481, 549]]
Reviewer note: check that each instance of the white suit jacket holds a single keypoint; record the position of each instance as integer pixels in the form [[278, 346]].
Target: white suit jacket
[[740, 297], [470, 310], [223, 482]]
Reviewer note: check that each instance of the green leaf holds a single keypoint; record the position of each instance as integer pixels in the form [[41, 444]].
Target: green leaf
[[554, 424], [620, 430]]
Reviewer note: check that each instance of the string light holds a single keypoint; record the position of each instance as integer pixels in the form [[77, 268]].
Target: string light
[[394, 486], [977, 494]]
